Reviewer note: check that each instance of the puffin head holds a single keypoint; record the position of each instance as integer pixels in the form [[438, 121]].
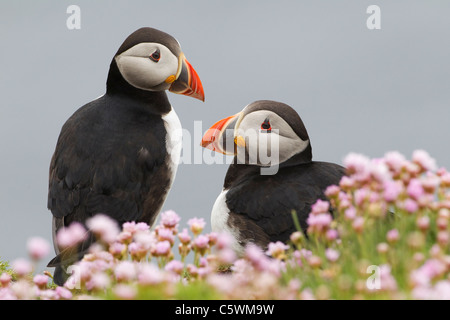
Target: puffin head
[[264, 130], [152, 60]]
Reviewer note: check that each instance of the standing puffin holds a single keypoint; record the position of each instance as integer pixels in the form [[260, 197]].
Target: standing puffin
[[118, 154], [255, 205]]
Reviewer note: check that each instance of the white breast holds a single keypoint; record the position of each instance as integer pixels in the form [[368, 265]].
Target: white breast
[[219, 218], [174, 138]]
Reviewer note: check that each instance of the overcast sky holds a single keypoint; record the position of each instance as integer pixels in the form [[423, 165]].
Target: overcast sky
[[357, 90]]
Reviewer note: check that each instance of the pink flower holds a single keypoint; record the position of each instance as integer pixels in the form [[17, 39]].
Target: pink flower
[[63, 293], [162, 248], [169, 219], [175, 266], [387, 281], [22, 267], [415, 189], [350, 213], [98, 281], [392, 236], [256, 256], [184, 237], [346, 183], [332, 234], [382, 247], [149, 274], [332, 191], [227, 256], [423, 223], [38, 248], [5, 279], [392, 189], [117, 249], [395, 161], [358, 224], [319, 222], [125, 292], [277, 249], [213, 238], [104, 227], [320, 207], [71, 235], [196, 225], [411, 206], [423, 159], [166, 234], [41, 280], [125, 271], [332, 255], [224, 241], [201, 244]]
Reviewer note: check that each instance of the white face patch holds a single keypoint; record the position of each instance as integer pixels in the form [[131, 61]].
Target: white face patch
[[267, 148], [140, 71]]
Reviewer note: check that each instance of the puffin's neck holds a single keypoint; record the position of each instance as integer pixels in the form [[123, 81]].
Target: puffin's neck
[[116, 85], [237, 171]]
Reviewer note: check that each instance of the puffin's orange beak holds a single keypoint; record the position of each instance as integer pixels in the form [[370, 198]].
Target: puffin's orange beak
[[212, 138], [187, 81]]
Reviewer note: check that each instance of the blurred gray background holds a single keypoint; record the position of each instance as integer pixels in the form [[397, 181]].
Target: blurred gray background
[[357, 90]]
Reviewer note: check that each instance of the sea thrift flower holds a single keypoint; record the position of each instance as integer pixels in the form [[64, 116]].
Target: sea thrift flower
[[125, 292], [423, 223], [357, 166], [392, 236], [387, 281], [41, 281], [319, 222], [320, 207], [196, 225], [184, 237], [71, 236], [314, 262], [277, 250], [213, 238], [98, 281], [332, 234], [350, 213], [411, 206], [22, 267], [117, 249], [423, 159], [169, 219], [382, 247], [63, 293], [5, 279], [104, 227], [149, 275], [166, 234], [161, 248], [175, 266], [358, 224], [392, 189], [332, 255], [415, 189], [297, 238], [332, 191], [38, 248], [201, 244], [125, 271], [395, 161]]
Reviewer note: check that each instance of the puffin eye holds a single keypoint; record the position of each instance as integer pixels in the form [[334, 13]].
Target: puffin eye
[[265, 126], [155, 56]]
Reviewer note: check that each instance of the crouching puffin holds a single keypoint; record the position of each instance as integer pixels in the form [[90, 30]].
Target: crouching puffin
[[118, 154], [259, 195]]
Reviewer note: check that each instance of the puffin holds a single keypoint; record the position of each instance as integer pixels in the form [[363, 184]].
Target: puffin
[[118, 155], [271, 176]]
